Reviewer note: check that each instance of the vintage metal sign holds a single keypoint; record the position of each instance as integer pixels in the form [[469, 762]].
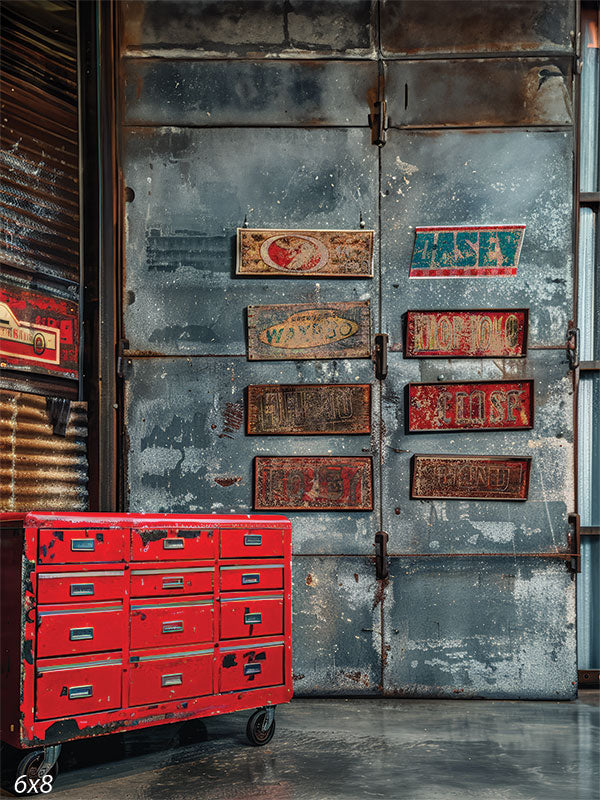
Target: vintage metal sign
[[436, 477], [340, 254], [470, 405], [38, 332], [309, 409], [477, 333], [309, 330], [313, 483], [478, 251]]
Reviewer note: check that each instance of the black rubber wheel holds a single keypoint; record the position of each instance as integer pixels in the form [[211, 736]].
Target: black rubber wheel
[[254, 731], [29, 765]]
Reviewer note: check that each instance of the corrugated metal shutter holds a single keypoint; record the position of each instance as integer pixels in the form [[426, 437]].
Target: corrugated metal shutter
[[40, 196], [40, 255]]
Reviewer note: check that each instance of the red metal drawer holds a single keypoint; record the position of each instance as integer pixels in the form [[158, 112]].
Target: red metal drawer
[[157, 623], [175, 579], [253, 543], [74, 586], [64, 630], [166, 544], [81, 546], [66, 687], [250, 668], [250, 577], [247, 616], [170, 675]]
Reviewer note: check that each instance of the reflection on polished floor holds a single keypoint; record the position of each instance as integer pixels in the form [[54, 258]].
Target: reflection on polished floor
[[353, 749]]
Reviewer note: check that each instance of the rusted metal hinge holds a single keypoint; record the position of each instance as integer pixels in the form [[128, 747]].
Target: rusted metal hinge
[[378, 123], [573, 347], [58, 410], [381, 345], [575, 543], [122, 345], [381, 557]]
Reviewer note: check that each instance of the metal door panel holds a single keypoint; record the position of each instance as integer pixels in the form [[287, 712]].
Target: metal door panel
[[336, 626], [260, 28], [262, 93], [468, 627], [188, 450], [479, 178], [193, 189], [469, 526], [467, 26], [479, 92]]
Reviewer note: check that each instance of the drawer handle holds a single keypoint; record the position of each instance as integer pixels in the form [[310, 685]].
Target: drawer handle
[[79, 634], [252, 669], [252, 619], [78, 589], [252, 539], [76, 692], [252, 577], [172, 583], [172, 680], [173, 544], [172, 627], [83, 544]]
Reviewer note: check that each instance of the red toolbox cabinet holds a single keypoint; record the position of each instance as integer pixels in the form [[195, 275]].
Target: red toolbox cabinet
[[132, 620]]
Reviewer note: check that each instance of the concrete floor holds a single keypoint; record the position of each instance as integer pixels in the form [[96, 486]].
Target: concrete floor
[[353, 750]]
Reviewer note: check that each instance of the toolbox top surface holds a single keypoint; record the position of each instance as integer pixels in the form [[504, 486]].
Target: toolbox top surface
[[100, 519]]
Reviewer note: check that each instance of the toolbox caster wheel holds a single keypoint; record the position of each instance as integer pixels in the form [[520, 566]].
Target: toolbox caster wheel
[[261, 726], [34, 780]]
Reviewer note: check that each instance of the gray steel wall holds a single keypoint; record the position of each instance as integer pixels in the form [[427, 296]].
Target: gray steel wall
[[236, 109]]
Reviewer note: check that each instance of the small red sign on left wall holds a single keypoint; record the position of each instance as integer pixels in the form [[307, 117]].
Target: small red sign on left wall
[[39, 332]]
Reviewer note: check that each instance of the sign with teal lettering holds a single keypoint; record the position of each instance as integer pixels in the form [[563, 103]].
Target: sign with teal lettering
[[467, 251]]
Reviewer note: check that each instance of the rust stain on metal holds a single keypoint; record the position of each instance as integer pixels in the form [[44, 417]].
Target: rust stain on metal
[[314, 483], [307, 331], [233, 416], [228, 481], [480, 251], [276, 253], [40, 470], [473, 333], [294, 409], [469, 477], [470, 405]]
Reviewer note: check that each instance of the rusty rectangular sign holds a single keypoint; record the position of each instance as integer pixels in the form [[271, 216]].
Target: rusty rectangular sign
[[312, 408], [309, 330], [469, 333], [466, 251], [442, 477], [39, 332], [313, 483], [298, 253], [470, 405]]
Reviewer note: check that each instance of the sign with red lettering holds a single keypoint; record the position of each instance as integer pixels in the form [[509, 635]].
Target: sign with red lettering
[[476, 333], [436, 477], [466, 251], [297, 253], [39, 332], [313, 483], [309, 408], [470, 405]]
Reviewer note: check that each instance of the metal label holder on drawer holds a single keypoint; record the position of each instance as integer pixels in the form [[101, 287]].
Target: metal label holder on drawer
[[134, 620]]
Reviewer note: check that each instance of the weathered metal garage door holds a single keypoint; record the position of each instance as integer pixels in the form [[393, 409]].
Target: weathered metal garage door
[[258, 111]]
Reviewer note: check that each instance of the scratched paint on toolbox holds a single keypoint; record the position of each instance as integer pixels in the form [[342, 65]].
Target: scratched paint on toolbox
[[499, 333], [341, 254], [472, 405], [313, 483], [307, 330], [38, 331], [466, 252], [309, 409], [469, 477]]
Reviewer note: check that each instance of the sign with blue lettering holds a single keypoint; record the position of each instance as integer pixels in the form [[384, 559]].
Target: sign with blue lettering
[[467, 251]]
